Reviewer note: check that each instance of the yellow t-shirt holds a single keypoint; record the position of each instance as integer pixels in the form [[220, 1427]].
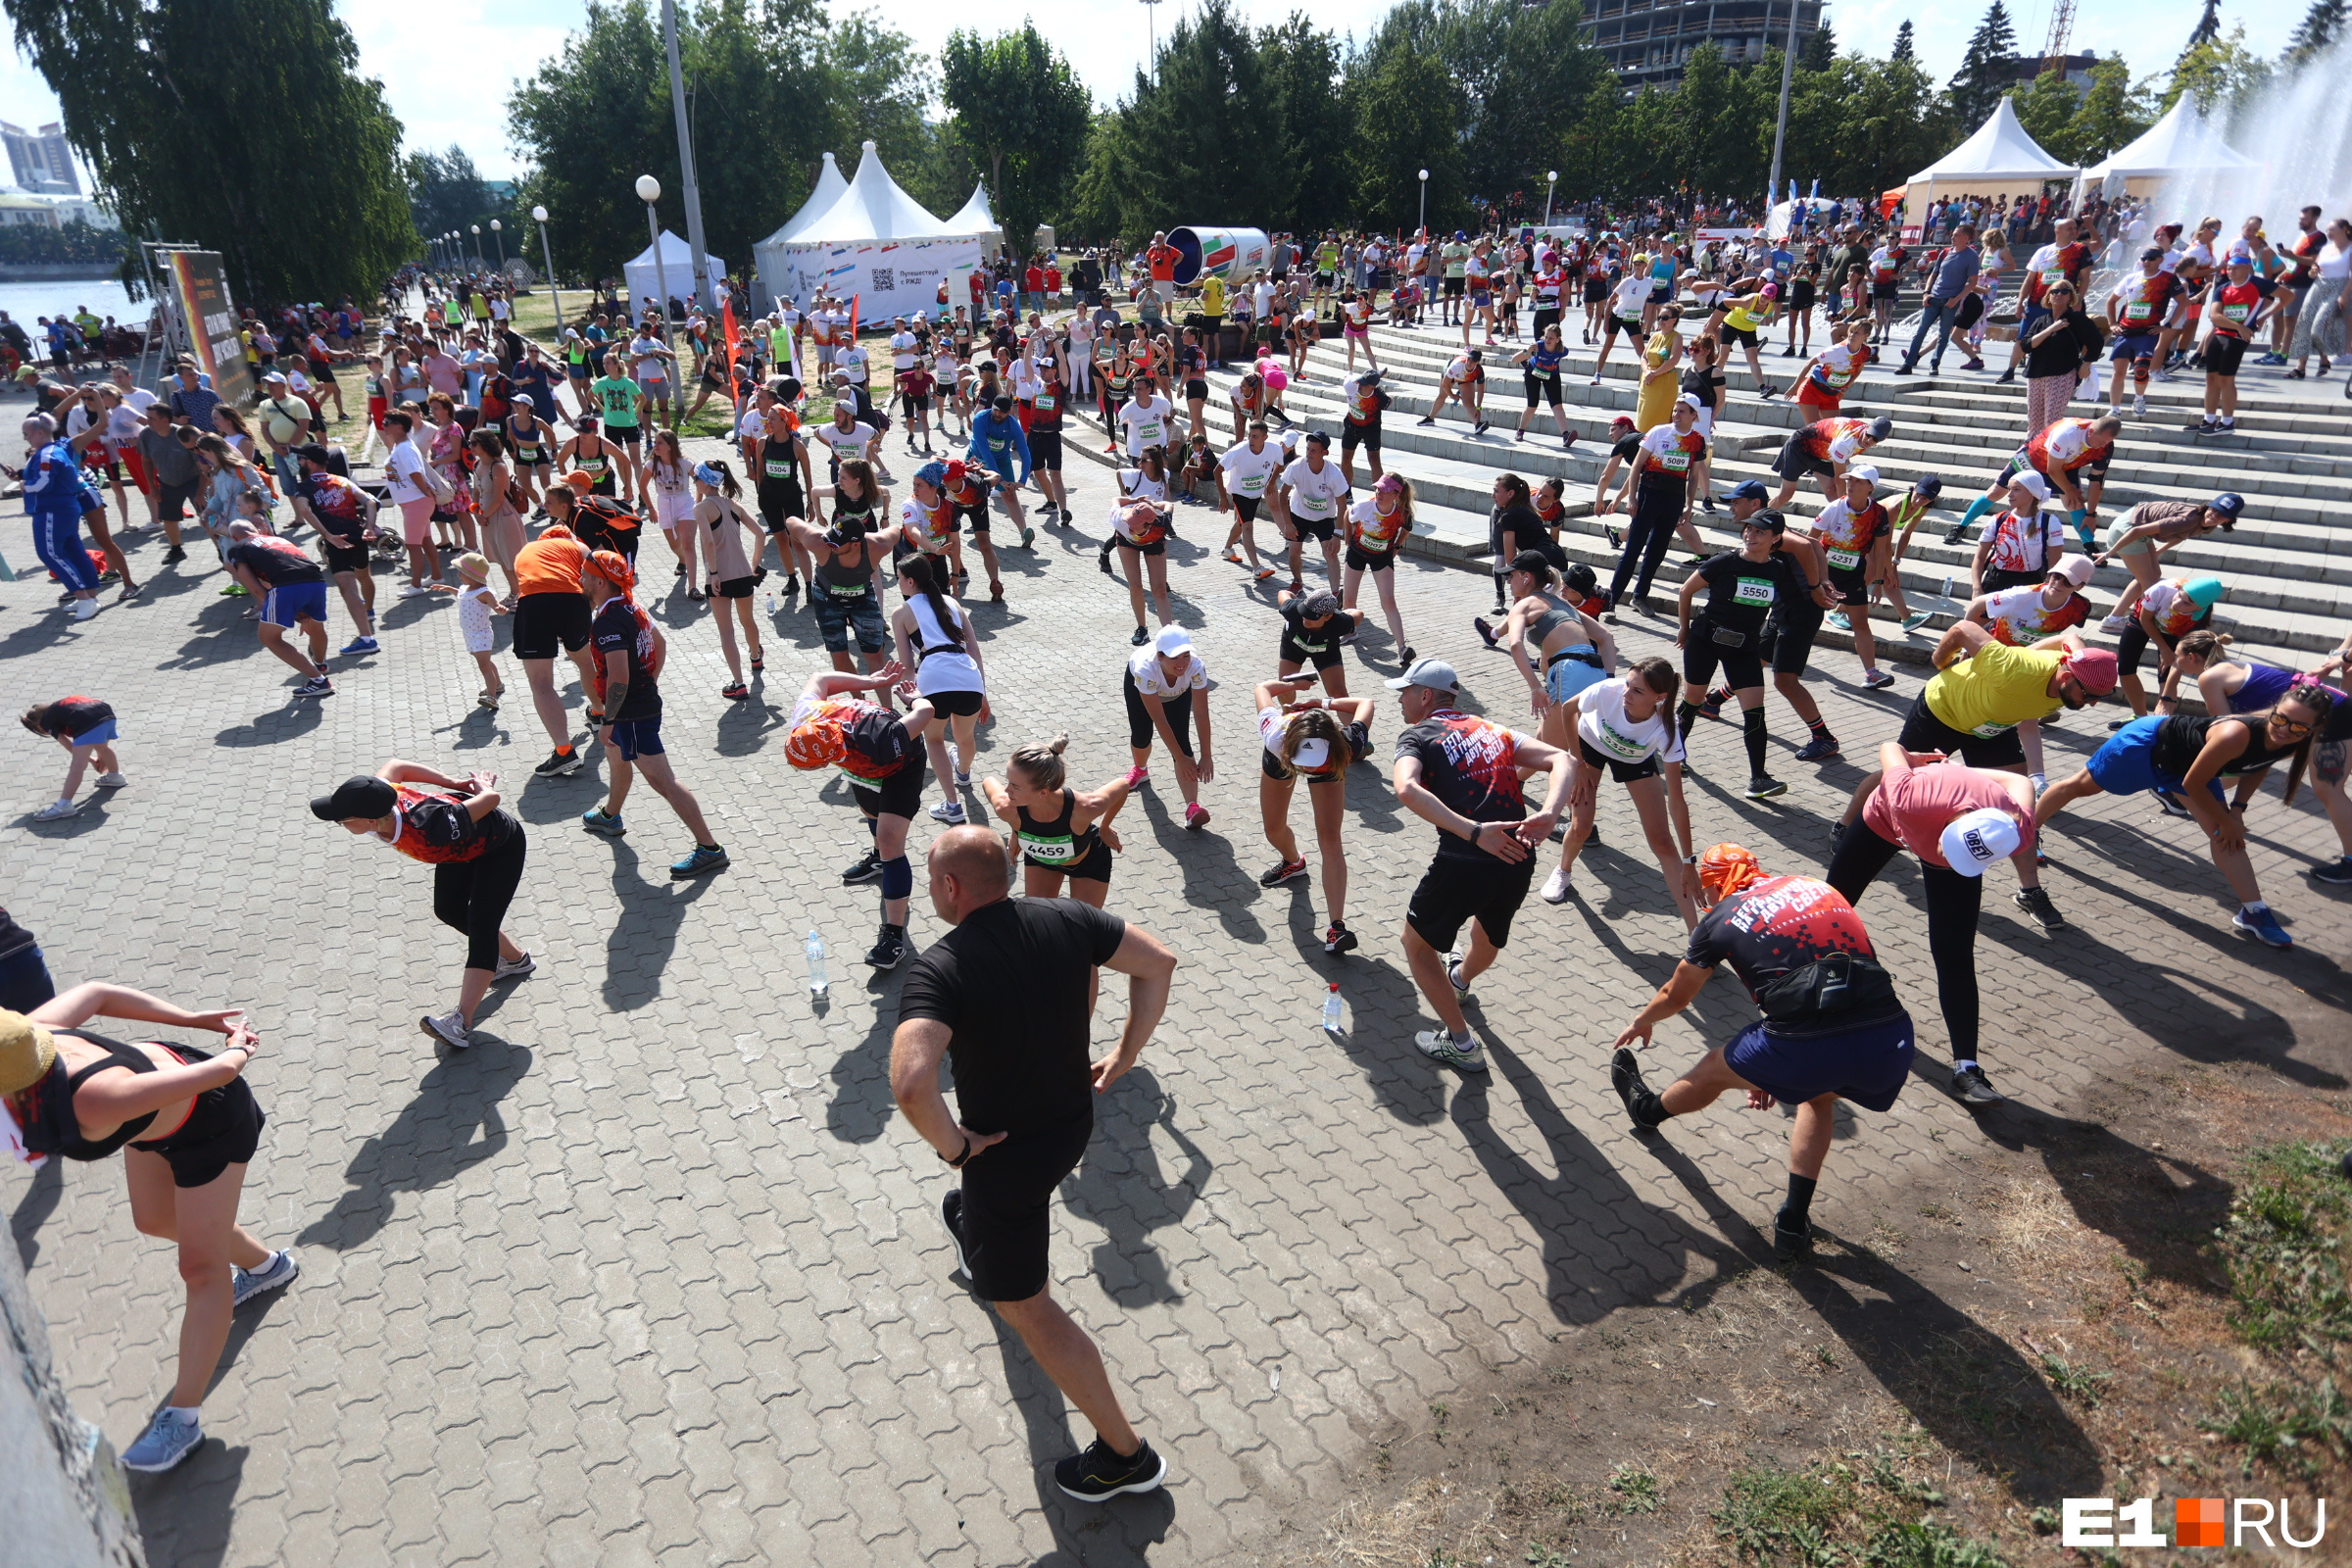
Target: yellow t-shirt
[[2000, 689], [1653, 403], [1212, 296], [1746, 320]]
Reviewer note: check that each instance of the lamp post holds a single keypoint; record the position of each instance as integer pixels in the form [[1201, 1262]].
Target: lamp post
[[539, 217], [500, 229], [478, 246], [1151, 11], [691, 192], [649, 191], [1551, 183], [1425, 201]]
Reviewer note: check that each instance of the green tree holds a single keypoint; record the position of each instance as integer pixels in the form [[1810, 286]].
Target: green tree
[[1820, 48], [1522, 68], [1905, 49], [1301, 65], [2047, 108], [2321, 26], [1021, 114], [880, 88], [446, 191], [2112, 114], [1408, 114], [217, 123], [1982, 78], [2222, 75]]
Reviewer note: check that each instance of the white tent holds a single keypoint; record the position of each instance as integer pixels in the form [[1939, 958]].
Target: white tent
[[645, 279], [1992, 162], [829, 186], [2182, 143], [878, 245], [974, 215]]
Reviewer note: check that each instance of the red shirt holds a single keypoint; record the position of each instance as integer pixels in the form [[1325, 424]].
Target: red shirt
[[1034, 281], [1913, 808], [1053, 279], [1161, 260]]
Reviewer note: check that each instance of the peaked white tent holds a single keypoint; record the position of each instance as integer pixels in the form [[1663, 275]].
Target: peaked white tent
[[829, 186], [2000, 158], [878, 245], [645, 279], [976, 215], [2182, 143]]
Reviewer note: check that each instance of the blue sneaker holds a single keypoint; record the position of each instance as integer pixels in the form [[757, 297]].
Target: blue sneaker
[[1820, 748], [362, 644], [705, 857], [596, 819], [276, 1276], [1837, 620], [2260, 924], [166, 1440]]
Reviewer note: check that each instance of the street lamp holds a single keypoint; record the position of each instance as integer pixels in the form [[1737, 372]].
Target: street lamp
[[478, 246], [539, 217], [1151, 11], [1425, 202], [1552, 182], [500, 229], [649, 191]]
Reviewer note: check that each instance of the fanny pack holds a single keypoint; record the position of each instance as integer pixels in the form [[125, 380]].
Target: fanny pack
[[1830, 986], [1582, 655], [1726, 636]]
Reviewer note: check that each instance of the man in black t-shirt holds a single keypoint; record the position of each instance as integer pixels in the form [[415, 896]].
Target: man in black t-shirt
[[290, 588], [629, 649], [1744, 587], [1460, 775], [1008, 996], [1313, 629]]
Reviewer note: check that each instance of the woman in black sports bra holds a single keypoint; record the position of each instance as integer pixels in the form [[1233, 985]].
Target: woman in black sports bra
[[1059, 831], [190, 1125]]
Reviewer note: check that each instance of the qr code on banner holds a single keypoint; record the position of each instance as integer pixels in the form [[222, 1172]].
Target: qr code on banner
[[884, 280]]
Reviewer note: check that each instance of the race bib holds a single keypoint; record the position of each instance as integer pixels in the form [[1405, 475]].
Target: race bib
[[2138, 311], [1046, 402], [1986, 732], [1048, 851], [1675, 461], [779, 467], [2237, 312], [1752, 591], [1844, 560]]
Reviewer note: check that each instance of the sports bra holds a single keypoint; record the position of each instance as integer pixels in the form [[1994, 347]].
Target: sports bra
[[59, 1131], [1050, 845], [842, 581]]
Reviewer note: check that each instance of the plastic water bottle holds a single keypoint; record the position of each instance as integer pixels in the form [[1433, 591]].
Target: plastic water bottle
[[816, 964], [1330, 1010], [1947, 587], [771, 603]]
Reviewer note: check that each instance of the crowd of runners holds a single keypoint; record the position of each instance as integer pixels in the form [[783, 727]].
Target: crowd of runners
[[497, 494]]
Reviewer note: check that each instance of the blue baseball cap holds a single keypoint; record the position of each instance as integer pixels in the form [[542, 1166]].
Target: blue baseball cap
[[2229, 503], [1747, 490]]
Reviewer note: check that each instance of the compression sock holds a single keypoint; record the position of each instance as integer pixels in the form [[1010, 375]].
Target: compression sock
[[1819, 728], [1963, 1063], [1976, 509], [1753, 720], [1798, 1212], [1502, 586], [1684, 717]]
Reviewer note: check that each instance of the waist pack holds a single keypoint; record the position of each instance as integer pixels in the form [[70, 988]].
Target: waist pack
[[1831, 985]]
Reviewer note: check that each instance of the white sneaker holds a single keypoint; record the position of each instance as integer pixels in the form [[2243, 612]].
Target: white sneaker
[[449, 1027], [56, 811], [112, 781], [84, 609], [2114, 624], [1555, 891], [1438, 1046], [515, 970], [414, 590], [949, 811]]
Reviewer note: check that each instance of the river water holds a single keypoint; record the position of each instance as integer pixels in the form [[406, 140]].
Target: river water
[[28, 303]]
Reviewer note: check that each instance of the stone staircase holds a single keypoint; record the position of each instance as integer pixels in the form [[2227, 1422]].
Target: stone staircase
[[2287, 565]]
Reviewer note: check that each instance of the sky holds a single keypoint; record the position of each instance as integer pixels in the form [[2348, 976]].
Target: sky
[[454, 96]]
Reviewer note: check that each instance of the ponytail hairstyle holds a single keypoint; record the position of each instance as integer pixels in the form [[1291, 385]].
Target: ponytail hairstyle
[[1316, 724], [2205, 644], [1513, 486], [719, 477], [1657, 676], [929, 575], [489, 441], [869, 492], [1040, 762], [2321, 699], [1403, 490]]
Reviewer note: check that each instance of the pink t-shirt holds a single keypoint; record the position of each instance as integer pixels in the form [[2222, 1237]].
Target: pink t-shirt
[[1913, 808]]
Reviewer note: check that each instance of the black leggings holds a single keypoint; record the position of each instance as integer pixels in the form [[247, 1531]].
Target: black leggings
[[1646, 536], [471, 896], [1140, 731], [1953, 901]]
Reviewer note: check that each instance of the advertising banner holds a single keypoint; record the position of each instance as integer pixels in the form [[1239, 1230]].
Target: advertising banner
[[199, 290], [1232, 254], [889, 277]]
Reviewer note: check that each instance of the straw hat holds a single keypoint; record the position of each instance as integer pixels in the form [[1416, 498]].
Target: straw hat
[[26, 1052]]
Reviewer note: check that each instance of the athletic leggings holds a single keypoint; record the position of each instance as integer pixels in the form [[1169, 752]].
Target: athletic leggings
[[57, 540], [1953, 901], [471, 896], [1646, 536], [1142, 732]]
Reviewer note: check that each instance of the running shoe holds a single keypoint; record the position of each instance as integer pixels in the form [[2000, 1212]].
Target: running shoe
[[362, 644], [1836, 620], [890, 947], [1486, 632], [1438, 1046], [735, 692], [2139, 404], [1555, 887], [1102, 561], [514, 969], [2337, 872], [950, 1210], [315, 686], [238, 591], [1099, 1474], [111, 781], [1764, 786], [1405, 656], [1820, 748], [963, 779], [1427, 419], [1957, 534], [1877, 680], [275, 1275], [2263, 926], [2205, 427], [948, 811], [56, 811], [1792, 1243], [84, 609], [706, 858], [558, 765], [1712, 704], [867, 869], [175, 556], [2036, 905], [2006, 376], [1029, 534], [1625, 1076], [1281, 871], [1969, 1087], [1140, 638], [1917, 618], [1339, 939], [1642, 604], [1454, 977], [449, 1027], [414, 590], [1138, 778], [1233, 556], [596, 819], [1263, 572], [1196, 817], [2171, 804], [166, 1440]]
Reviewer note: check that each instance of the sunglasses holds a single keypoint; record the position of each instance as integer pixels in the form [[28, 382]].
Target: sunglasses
[[2291, 726]]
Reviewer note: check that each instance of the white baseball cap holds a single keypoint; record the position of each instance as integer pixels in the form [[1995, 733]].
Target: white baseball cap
[[1313, 753], [1173, 640], [1862, 471], [1976, 839]]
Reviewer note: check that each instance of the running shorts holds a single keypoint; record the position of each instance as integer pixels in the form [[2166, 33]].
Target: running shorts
[[1866, 1063], [1007, 1207], [900, 795], [1922, 731], [223, 1128], [1456, 889], [633, 738], [544, 620], [1622, 772], [2126, 764], [290, 602]]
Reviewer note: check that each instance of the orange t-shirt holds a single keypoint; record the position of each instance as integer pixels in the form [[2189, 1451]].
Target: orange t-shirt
[[547, 565]]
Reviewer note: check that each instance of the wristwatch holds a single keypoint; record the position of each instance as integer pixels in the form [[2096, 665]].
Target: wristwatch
[[958, 1162]]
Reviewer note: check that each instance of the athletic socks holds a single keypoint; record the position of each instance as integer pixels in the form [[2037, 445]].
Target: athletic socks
[[1963, 1066], [563, 751], [1753, 722], [185, 1415], [1797, 1212], [2257, 906], [1685, 717], [1819, 728], [1976, 509]]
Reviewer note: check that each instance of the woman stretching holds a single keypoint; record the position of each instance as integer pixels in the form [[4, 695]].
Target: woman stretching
[[1625, 728], [935, 642], [1376, 530], [1166, 688], [669, 478], [720, 527], [1316, 739], [878, 751], [1059, 832]]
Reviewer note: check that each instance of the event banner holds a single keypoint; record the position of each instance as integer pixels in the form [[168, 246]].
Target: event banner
[[201, 290], [890, 278]]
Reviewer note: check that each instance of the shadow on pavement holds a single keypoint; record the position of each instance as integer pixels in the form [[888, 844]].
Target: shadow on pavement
[[2161, 1208], [1121, 1187], [1110, 1535], [184, 1514], [42, 1194], [651, 913], [862, 1103], [432, 1141]]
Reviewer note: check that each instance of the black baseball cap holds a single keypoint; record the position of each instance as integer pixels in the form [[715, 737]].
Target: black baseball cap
[[1531, 560], [313, 452], [1747, 490], [357, 796], [1770, 521]]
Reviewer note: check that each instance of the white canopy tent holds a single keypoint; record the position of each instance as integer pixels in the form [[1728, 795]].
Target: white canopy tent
[[878, 245], [1999, 160], [767, 254], [976, 215], [2182, 143], [676, 268]]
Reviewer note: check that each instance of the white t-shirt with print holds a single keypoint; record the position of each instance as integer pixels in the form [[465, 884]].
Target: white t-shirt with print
[[1601, 724], [1315, 496], [1152, 680]]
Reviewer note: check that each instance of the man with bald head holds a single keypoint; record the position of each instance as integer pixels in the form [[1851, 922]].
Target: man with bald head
[[1008, 995]]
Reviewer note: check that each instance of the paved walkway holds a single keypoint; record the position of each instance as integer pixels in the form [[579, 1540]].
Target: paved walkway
[[651, 1274]]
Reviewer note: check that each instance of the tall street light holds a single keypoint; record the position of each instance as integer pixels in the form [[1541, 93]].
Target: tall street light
[[649, 191], [478, 246], [547, 255], [500, 229], [1551, 183], [1151, 11], [1425, 202], [692, 193]]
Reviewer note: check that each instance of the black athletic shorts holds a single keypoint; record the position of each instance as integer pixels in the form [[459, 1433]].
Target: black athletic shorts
[[1853, 587], [1045, 451], [543, 620], [1327, 657], [900, 795], [1738, 336], [1313, 527], [1922, 731], [1142, 733], [1244, 507], [1195, 387], [1622, 772], [1362, 559], [1456, 889], [1796, 461], [737, 587], [1742, 668], [1542, 386], [1007, 1216], [1629, 326], [956, 705], [1095, 866], [973, 517], [339, 559], [1790, 640], [1353, 435], [223, 1129], [2223, 354], [780, 498]]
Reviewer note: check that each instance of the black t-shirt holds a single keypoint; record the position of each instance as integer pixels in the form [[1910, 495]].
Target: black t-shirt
[[1011, 981], [2061, 352], [278, 563], [616, 627], [1526, 529], [69, 717], [879, 745], [1703, 381], [1628, 449], [1298, 635], [2179, 739], [1741, 592], [1775, 925], [13, 938], [1469, 764]]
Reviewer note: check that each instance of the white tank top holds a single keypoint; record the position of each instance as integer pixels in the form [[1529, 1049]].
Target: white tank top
[[940, 666]]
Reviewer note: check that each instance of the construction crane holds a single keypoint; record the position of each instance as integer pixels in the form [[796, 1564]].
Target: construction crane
[[2062, 24]]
